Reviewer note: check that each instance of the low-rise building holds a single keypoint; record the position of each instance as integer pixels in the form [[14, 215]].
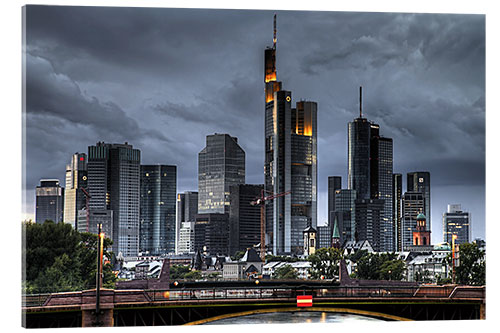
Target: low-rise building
[[248, 267], [301, 267], [427, 266]]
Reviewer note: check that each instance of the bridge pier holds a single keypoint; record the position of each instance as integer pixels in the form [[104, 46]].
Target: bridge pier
[[482, 311], [103, 319]]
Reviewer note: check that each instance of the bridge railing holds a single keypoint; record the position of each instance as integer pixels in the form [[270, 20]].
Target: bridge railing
[[34, 300], [267, 292], [276, 292]]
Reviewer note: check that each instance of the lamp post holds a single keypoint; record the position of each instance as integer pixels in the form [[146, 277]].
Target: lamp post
[[100, 245]]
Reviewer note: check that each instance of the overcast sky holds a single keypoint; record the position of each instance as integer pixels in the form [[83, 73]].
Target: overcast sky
[[163, 79]]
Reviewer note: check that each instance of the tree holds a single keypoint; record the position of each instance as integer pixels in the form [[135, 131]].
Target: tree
[[325, 262], [88, 258], [286, 272], [44, 242], [178, 271], [238, 255], [471, 269], [183, 272], [59, 258], [384, 266]]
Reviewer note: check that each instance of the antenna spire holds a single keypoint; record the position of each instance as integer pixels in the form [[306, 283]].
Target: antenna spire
[[274, 35], [360, 102]]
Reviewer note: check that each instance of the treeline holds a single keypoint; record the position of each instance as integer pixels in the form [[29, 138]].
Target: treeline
[[59, 258]]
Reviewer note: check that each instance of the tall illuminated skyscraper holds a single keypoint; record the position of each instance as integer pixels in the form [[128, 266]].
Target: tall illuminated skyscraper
[[113, 183], [76, 179], [290, 162], [221, 164]]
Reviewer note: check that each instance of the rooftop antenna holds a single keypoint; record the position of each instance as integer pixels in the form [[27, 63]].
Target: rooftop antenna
[[360, 102], [274, 35]]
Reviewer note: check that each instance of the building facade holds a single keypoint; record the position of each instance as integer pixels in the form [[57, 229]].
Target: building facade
[[244, 218], [456, 222], [324, 236], [290, 163], [95, 217], [413, 204], [420, 181], [76, 179], [211, 234], [157, 209], [369, 215], [49, 201], [186, 210], [113, 184], [345, 213], [185, 245], [370, 168], [334, 184], [221, 164], [397, 191]]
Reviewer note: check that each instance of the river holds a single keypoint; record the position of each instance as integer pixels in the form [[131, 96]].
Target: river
[[293, 317]]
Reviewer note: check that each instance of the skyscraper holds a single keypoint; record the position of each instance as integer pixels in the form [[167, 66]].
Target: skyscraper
[[49, 201], [186, 210], [211, 233], [157, 209], [345, 214], [244, 218], [397, 191], [76, 179], [113, 183], [413, 204], [221, 164], [334, 184], [369, 214], [384, 189], [420, 181], [456, 222], [370, 166], [290, 162]]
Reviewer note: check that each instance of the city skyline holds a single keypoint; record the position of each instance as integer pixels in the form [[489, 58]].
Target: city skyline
[[424, 77]]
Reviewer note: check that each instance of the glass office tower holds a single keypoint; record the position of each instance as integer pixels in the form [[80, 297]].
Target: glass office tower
[[397, 191], [76, 179], [157, 209], [370, 167], [49, 201], [113, 183], [334, 184], [456, 222], [413, 204], [420, 181], [221, 164], [186, 210]]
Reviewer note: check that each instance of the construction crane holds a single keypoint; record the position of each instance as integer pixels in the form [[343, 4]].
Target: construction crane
[[87, 199], [261, 201]]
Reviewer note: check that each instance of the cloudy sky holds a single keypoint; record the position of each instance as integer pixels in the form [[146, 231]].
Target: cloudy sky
[[163, 79]]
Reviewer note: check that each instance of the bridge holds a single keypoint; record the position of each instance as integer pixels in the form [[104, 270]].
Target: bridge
[[188, 304]]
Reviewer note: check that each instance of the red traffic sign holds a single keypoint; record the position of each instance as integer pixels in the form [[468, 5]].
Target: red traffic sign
[[304, 300]]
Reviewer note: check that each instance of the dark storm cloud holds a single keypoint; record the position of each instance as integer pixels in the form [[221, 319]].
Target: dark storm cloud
[[52, 94], [163, 79]]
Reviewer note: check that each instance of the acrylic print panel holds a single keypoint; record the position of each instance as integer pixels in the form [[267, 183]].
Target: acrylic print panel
[[205, 166]]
